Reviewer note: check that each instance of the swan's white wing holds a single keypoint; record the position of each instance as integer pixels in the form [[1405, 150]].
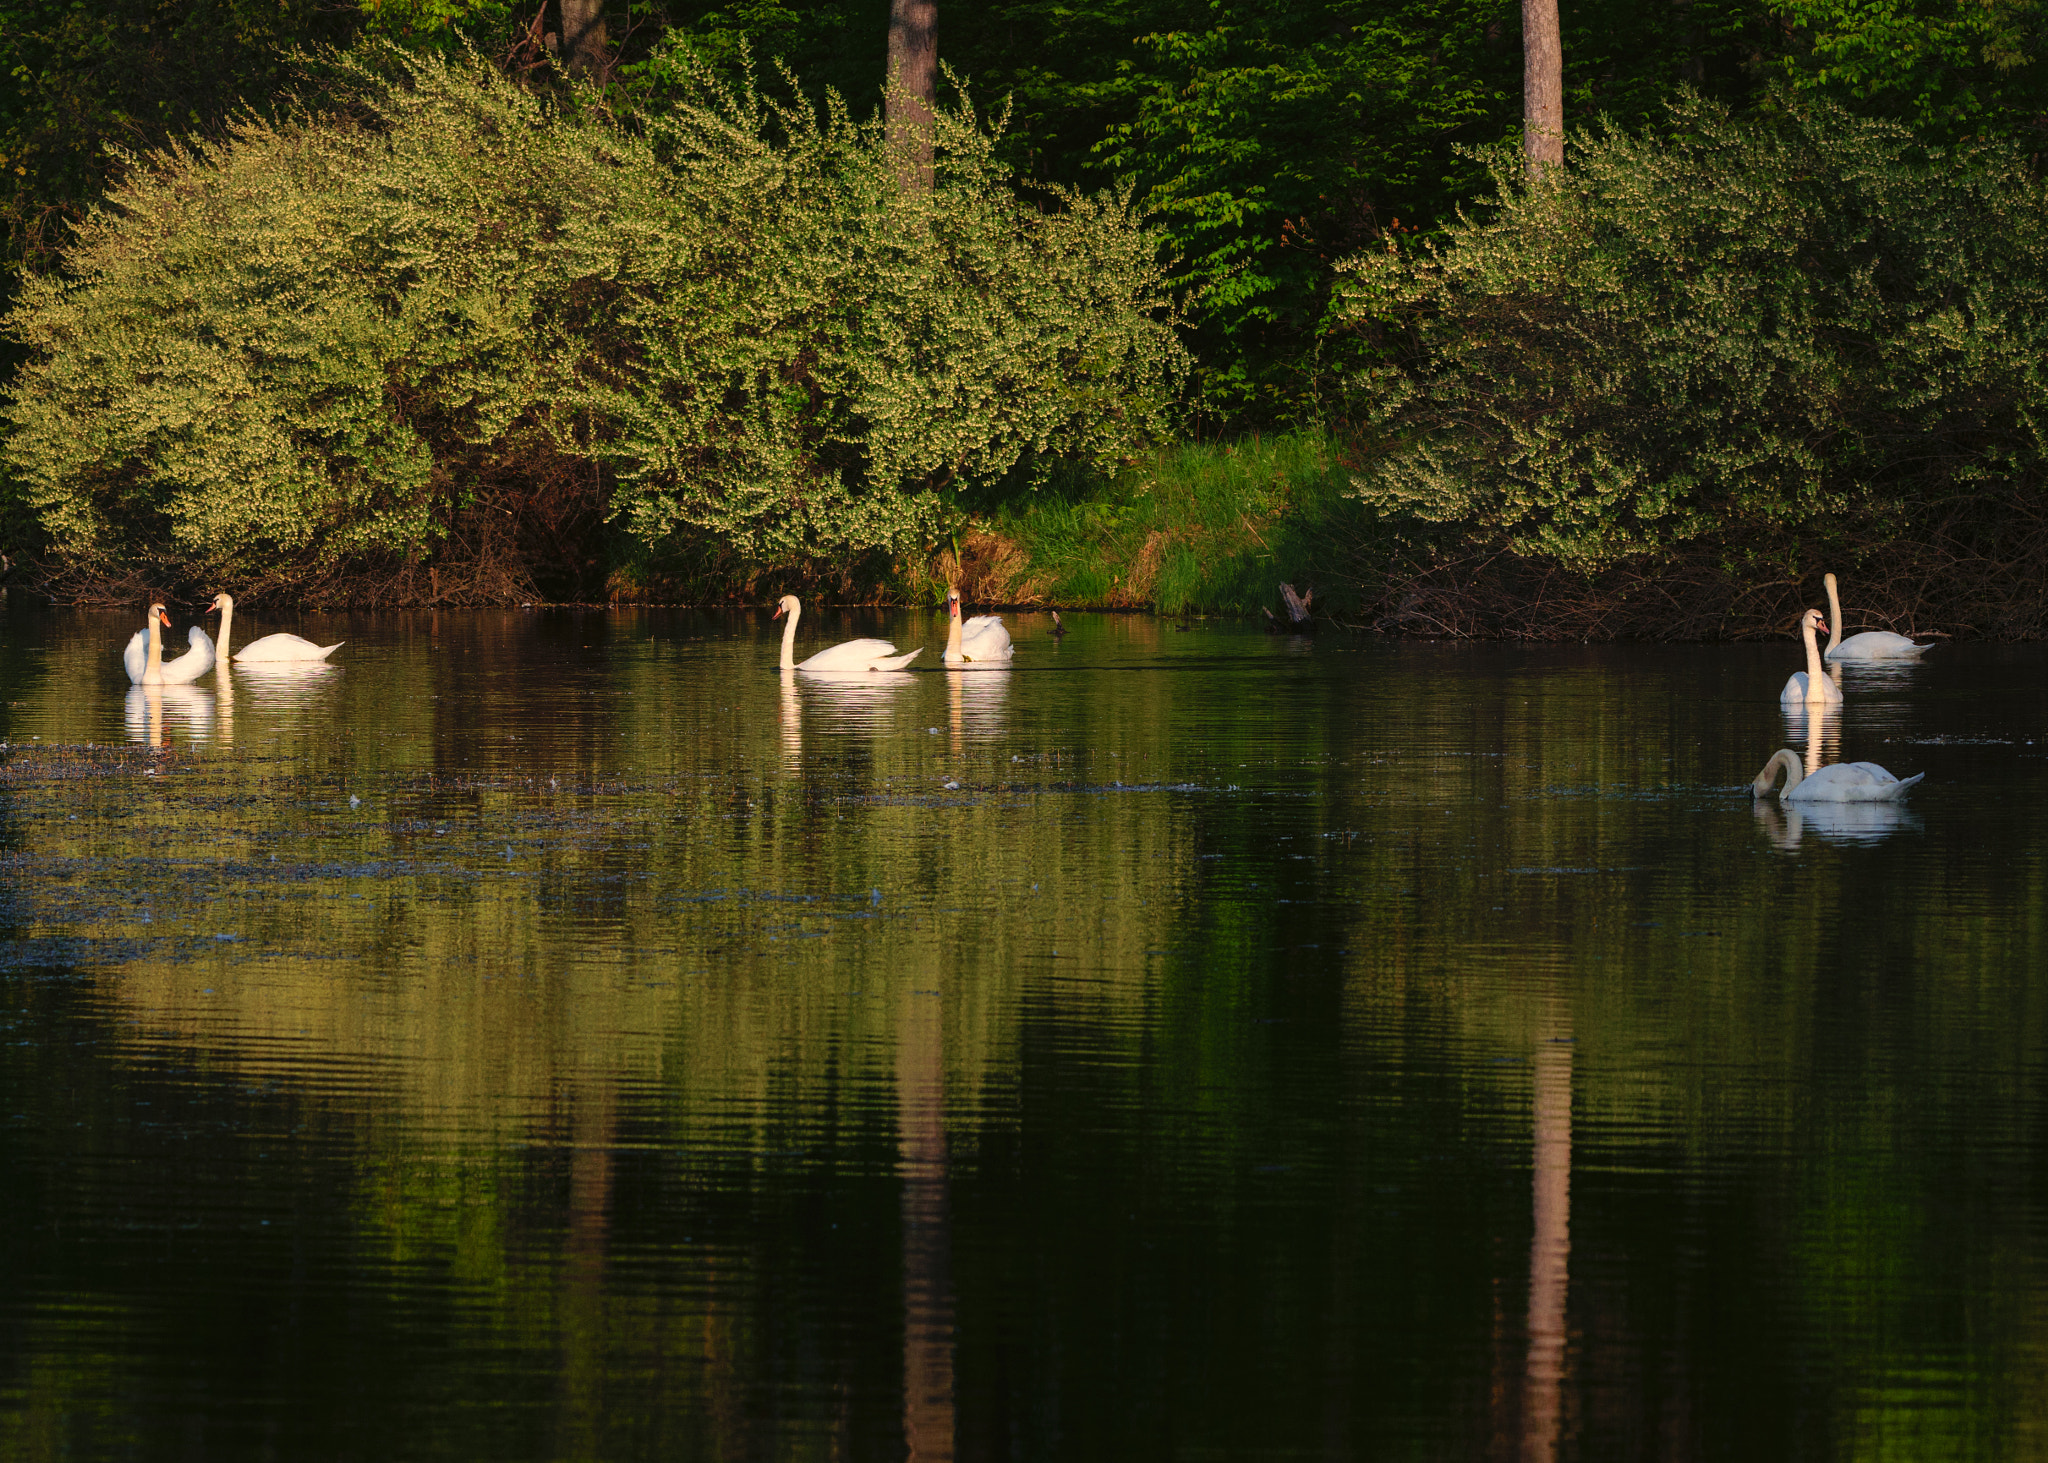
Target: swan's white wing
[[194, 663], [135, 659], [283, 646], [1795, 689], [1877, 645], [986, 638], [854, 655], [1852, 782], [1882, 784], [895, 662]]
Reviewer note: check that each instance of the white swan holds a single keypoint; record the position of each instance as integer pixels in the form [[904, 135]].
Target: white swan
[[143, 658], [144, 648], [1844, 782], [1812, 685], [855, 657], [1871, 644], [981, 641], [271, 647]]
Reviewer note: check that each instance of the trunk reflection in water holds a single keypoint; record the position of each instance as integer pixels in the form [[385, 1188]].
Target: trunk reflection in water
[[927, 1237], [1550, 1247]]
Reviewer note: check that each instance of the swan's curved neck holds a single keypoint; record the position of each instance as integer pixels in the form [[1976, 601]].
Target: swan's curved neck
[[1794, 774], [227, 622], [1834, 613], [789, 638], [1814, 671], [156, 651], [953, 634]]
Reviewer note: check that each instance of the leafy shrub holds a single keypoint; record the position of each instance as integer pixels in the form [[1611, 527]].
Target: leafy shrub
[[814, 351], [1741, 329], [313, 343]]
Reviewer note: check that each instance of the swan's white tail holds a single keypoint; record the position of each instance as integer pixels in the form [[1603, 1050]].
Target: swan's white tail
[[895, 662]]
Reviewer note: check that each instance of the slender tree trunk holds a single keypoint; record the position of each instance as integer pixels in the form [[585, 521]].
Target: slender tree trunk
[[1542, 86], [913, 86], [586, 49]]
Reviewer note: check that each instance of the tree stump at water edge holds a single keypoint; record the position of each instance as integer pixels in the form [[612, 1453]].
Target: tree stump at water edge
[[1299, 621]]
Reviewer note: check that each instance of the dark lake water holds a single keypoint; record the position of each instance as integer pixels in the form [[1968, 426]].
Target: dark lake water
[[558, 1036]]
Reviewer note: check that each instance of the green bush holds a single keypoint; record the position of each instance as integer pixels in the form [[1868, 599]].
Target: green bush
[[309, 345], [1773, 327]]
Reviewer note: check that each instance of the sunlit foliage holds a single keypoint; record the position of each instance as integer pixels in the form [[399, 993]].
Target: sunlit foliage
[[1798, 318], [306, 342]]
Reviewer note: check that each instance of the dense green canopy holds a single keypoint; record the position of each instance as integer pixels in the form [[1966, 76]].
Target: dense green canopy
[[1272, 136], [1262, 144]]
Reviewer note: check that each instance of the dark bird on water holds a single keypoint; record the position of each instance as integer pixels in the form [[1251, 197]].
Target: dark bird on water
[[1057, 629]]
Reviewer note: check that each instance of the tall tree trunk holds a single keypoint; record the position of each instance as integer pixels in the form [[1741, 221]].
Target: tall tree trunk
[[1542, 86], [913, 86], [586, 49]]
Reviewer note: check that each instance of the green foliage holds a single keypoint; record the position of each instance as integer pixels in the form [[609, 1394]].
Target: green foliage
[[310, 341], [1949, 68], [75, 78], [441, 23], [815, 349], [1744, 327], [1268, 139]]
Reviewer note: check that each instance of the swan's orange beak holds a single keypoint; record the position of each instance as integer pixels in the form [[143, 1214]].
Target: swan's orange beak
[[165, 618], [778, 613], [1821, 625]]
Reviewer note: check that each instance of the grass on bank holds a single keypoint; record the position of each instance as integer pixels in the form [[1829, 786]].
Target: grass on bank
[[1209, 527]]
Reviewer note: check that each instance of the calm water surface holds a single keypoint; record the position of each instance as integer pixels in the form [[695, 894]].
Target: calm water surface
[[558, 1036]]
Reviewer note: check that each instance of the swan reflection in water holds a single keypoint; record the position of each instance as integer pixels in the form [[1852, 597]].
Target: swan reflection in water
[[860, 701], [1869, 676], [1821, 726], [1785, 824], [152, 712], [286, 684], [975, 704], [792, 719]]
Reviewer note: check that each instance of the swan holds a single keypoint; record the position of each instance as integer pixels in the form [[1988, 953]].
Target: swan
[[1811, 685], [981, 641], [144, 647], [143, 658], [1871, 644], [855, 657], [1844, 782], [270, 647]]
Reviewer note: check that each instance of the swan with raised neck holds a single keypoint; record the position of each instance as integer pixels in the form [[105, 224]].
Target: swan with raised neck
[[279, 647], [853, 658], [1812, 686], [982, 642], [1868, 645]]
